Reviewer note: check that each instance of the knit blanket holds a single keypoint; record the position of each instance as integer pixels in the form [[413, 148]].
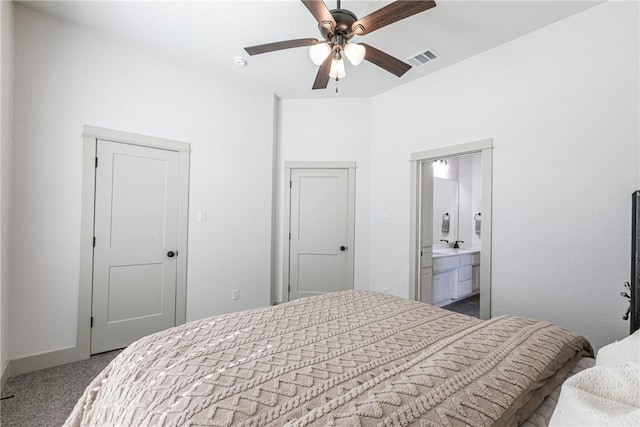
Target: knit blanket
[[354, 358]]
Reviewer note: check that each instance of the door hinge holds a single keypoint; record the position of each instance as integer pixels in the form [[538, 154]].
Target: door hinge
[[289, 288], [96, 162], [92, 321], [289, 236], [94, 241], [290, 184]]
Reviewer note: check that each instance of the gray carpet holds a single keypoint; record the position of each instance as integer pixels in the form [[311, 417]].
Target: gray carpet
[[46, 398]]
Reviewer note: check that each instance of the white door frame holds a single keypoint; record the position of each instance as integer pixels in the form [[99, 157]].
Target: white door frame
[[485, 148], [90, 139], [351, 209]]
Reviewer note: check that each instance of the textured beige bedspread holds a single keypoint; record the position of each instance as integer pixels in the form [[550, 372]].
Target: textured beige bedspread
[[355, 358]]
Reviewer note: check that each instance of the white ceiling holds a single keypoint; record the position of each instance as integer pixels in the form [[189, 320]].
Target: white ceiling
[[208, 34]]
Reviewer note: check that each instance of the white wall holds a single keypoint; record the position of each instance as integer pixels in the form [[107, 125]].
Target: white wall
[[470, 179], [564, 126], [68, 76], [561, 105], [327, 130], [6, 138]]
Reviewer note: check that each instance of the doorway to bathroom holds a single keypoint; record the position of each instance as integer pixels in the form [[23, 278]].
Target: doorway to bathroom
[[451, 195]]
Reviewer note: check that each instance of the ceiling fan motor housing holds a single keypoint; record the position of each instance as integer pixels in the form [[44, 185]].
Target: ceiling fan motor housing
[[344, 20]]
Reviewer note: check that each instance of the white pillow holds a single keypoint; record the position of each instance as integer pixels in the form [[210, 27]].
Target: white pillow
[[620, 352], [607, 394], [600, 396]]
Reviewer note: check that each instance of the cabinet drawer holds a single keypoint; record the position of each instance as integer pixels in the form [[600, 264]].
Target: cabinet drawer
[[465, 273], [445, 263], [466, 259]]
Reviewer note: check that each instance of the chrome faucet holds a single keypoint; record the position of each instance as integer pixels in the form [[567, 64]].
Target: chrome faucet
[[456, 246]]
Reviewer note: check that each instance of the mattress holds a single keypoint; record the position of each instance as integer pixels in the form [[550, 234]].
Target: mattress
[[354, 358]]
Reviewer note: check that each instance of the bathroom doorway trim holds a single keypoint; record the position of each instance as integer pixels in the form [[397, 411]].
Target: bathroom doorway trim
[[418, 160]]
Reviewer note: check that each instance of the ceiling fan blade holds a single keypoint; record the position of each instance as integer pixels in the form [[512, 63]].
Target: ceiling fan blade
[[322, 78], [389, 14], [386, 61], [287, 44], [321, 12]]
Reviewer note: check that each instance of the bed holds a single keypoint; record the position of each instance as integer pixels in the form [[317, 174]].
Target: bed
[[354, 358]]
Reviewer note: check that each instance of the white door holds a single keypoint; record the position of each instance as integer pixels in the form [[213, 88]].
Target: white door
[[320, 259], [426, 233], [136, 223]]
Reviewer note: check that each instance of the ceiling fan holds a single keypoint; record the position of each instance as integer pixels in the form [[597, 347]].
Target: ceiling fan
[[337, 27]]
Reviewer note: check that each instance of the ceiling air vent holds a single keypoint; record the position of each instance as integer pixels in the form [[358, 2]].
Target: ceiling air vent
[[422, 58]]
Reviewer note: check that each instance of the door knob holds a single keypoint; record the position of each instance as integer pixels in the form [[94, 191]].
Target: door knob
[[171, 254], [343, 248]]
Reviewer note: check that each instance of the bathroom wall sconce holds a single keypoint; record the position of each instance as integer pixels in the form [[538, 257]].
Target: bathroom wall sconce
[[440, 167]]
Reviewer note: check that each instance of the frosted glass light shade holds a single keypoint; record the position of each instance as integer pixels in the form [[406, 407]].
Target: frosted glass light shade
[[337, 69], [355, 53], [440, 168], [319, 52]]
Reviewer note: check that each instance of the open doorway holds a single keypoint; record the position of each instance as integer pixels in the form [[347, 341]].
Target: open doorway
[[456, 218], [451, 198]]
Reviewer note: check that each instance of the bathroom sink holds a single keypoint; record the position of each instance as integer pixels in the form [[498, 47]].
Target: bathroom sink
[[453, 251]]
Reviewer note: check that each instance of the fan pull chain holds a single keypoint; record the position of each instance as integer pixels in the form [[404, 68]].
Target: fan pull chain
[[337, 80]]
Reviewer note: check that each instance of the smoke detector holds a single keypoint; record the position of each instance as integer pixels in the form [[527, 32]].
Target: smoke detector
[[239, 61]]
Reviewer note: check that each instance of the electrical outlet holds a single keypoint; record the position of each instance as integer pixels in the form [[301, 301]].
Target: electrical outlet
[[235, 295]]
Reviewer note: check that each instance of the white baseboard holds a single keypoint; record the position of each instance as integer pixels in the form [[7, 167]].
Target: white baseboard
[[40, 361], [4, 375]]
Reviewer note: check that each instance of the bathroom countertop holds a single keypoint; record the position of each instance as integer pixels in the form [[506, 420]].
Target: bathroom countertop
[[440, 253]]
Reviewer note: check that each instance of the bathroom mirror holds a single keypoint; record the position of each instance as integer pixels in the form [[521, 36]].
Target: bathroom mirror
[[445, 210]]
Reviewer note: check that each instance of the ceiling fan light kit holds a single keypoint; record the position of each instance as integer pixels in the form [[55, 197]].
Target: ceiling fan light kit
[[319, 52], [337, 27], [337, 70], [355, 53]]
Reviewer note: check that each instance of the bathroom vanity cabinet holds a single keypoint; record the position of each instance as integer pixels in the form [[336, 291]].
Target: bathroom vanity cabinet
[[456, 275], [475, 274]]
